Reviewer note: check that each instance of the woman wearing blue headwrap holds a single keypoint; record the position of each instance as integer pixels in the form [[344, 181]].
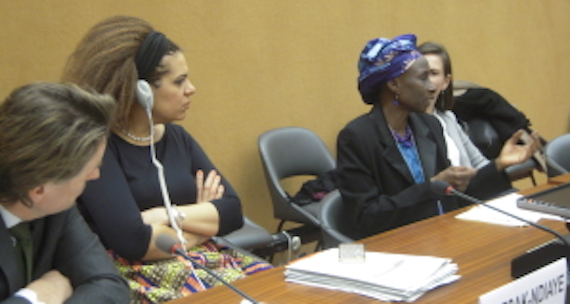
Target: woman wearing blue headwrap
[[387, 158]]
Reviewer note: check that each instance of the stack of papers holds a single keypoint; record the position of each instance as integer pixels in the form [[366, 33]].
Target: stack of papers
[[383, 276]]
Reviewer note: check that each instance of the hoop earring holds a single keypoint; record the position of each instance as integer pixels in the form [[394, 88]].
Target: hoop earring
[[396, 100]]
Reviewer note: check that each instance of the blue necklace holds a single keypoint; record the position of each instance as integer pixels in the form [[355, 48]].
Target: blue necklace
[[406, 140]]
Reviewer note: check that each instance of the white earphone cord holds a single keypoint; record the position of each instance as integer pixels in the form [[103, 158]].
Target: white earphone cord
[[166, 197]]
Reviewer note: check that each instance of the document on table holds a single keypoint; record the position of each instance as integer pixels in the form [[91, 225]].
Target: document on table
[[506, 203], [383, 276]]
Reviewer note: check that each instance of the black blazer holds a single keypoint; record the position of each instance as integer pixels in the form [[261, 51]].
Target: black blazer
[[377, 185], [64, 242]]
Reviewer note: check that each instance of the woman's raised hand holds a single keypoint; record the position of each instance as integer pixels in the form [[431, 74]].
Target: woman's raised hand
[[513, 153], [209, 189]]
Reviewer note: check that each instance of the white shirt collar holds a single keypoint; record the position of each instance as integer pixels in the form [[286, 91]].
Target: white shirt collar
[[9, 218]]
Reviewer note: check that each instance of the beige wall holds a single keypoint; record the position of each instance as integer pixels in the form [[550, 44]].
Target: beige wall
[[261, 64]]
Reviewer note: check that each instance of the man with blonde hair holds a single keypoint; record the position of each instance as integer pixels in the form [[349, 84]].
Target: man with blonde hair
[[52, 139]]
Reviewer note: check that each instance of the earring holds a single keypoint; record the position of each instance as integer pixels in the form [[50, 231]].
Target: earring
[[396, 100]]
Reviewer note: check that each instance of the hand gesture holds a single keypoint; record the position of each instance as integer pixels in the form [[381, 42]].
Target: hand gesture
[[457, 177], [211, 188], [512, 153]]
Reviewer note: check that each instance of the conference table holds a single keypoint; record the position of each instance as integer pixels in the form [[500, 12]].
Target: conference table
[[482, 251]]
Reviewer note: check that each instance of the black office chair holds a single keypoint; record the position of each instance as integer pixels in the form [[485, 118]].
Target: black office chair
[[557, 153], [335, 223], [485, 138], [287, 152], [489, 120]]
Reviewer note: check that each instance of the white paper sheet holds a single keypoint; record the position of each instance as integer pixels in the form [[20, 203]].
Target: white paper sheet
[[506, 203]]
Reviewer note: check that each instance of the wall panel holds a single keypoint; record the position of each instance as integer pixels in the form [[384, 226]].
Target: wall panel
[[261, 64]]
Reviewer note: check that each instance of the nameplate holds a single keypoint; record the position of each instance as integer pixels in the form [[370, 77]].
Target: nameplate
[[547, 285]]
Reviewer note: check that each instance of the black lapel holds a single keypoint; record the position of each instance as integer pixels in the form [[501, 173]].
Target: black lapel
[[390, 150], [427, 148], [8, 263]]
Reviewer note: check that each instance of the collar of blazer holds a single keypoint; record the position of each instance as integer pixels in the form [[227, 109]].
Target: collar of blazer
[[424, 138], [8, 263]]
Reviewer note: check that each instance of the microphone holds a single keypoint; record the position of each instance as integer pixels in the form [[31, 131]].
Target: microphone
[[534, 258], [167, 244]]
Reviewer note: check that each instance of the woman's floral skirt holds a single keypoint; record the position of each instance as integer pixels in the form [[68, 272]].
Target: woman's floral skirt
[[165, 280]]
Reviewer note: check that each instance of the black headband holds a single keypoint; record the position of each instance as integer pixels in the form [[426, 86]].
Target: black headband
[[153, 48]]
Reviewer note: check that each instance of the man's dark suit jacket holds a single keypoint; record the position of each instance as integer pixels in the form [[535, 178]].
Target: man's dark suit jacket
[[377, 185], [64, 242]]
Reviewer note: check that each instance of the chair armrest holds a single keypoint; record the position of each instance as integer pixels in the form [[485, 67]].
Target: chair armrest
[[250, 236]]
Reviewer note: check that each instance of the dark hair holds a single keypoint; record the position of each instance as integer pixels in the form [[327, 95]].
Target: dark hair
[[445, 101], [49, 132], [105, 61]]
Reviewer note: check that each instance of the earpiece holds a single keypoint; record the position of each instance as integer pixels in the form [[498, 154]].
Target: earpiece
[[144, 94]]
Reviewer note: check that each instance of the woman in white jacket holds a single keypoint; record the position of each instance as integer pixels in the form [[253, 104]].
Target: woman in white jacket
[[460, 149]]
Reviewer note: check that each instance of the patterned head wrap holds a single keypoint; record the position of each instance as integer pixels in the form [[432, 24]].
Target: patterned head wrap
[[382, 60]]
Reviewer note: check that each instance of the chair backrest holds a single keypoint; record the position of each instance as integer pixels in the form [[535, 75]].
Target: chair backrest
[[335, 225], [484, 137], [491, 120], [557, 153], [287, 152], [490, 117]]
